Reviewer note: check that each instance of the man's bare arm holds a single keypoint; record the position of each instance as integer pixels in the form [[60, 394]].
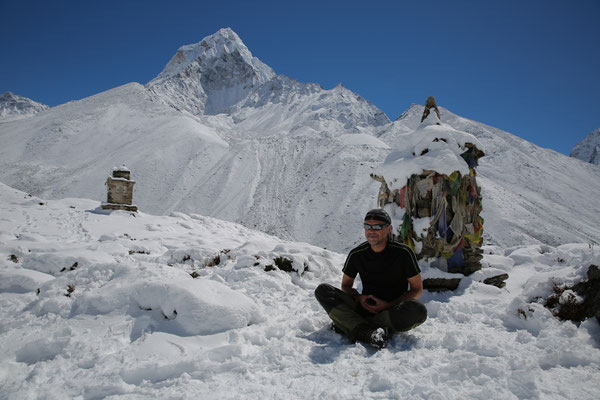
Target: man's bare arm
[[347, 283]]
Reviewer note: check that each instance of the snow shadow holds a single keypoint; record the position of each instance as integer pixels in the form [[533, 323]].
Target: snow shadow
[[324, 354], [99, 210], [593, 327], [43, 349], [149, 322], [402, 341], [328, 345]]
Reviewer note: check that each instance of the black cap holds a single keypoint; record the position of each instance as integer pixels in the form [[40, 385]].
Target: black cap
[[377, 214]]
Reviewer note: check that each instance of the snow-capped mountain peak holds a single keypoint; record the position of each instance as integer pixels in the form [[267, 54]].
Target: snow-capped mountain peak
[[221, 46], [210, 76], [588, 149], [15, 106], [219, 75]]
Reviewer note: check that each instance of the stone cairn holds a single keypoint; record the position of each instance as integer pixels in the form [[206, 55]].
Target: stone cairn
[[120, 190], [429, 104]]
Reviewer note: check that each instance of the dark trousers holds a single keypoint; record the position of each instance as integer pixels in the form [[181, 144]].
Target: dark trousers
[[347, 313]]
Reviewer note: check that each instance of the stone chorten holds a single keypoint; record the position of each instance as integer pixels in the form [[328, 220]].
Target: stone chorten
[[120, 190]]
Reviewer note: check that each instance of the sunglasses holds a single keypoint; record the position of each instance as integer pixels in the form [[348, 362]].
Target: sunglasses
[[376, 227]]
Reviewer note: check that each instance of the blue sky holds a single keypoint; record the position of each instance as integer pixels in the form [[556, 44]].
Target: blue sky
[[528, 67]]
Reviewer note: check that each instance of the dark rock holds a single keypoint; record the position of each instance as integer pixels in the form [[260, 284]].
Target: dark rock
[[593, 273], [497, 280], [440, 284], [590, 292]]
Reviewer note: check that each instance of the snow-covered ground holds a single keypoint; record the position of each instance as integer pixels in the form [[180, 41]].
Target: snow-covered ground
[[97, 305]]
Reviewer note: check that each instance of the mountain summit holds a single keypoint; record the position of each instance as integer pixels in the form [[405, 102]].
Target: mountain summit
[[219, 75], [588, 149], [210, 76], [215, 51]]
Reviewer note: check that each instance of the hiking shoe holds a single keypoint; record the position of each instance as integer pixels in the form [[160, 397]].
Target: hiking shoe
[[379, 338], [376, 337]]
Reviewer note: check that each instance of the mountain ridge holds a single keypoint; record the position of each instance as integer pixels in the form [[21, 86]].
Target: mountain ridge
[[288, 158]]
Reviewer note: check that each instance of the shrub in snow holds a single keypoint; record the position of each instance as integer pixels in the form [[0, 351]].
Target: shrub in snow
[[285, 264]]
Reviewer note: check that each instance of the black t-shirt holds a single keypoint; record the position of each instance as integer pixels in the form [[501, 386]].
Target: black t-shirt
[[385, 274]]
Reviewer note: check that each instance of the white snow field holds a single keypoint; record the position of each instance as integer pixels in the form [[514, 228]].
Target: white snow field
[[103, 305]]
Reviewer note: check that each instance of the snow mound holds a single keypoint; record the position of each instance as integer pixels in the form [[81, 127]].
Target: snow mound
[[178, 304], [22, 280]]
